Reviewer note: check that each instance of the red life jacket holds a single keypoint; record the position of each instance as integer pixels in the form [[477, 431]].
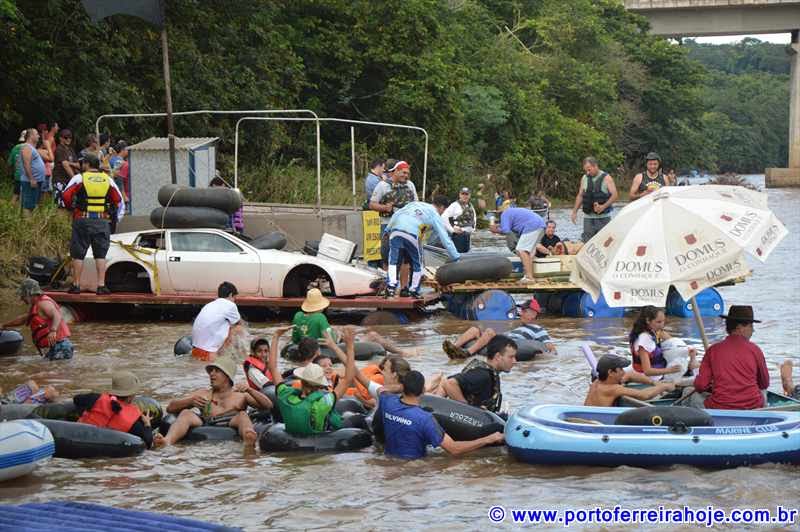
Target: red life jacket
[[102, 414], [40, 326], [260, 365]]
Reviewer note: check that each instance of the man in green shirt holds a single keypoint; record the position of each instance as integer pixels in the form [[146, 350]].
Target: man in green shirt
[[309, 409], [15, 169], [310, 320]]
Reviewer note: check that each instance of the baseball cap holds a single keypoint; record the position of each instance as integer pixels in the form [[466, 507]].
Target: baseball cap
[[609, 363], [464, 190], [64, 133], [530, 304], [399, 165]]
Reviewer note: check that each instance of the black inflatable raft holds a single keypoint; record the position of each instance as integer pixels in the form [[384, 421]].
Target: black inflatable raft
[[462, 421], [188, 217], [486, 267], [276, 439], [526, 349], [183, 346], [220, 198], [10, 342], [364, 351], [79, 440]]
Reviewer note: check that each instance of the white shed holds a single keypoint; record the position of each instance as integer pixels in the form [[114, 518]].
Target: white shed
[[195, 166]]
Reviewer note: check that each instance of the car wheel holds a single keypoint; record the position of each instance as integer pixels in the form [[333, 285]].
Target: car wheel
[[305, 277], [128, 277]]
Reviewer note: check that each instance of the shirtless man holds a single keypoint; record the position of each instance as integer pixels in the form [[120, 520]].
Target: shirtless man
[[223, 405], [789, 387], [609, 384]]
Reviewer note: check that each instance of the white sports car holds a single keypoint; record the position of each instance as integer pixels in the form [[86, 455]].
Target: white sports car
[[192, 261]]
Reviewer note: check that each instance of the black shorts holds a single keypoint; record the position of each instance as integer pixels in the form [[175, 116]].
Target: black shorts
[[94, 232]]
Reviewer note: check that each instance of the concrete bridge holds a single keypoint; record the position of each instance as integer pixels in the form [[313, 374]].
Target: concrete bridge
[[684, 18]]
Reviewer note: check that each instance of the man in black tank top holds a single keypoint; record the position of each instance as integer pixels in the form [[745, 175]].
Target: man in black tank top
[[650, 180]]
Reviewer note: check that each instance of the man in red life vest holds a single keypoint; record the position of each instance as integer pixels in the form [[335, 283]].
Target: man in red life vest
[[114, 409], [49, 331]]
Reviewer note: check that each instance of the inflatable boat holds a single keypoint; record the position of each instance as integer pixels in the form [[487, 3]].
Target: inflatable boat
[[565, 435], [775, 402], [10, 342], [24, 445]]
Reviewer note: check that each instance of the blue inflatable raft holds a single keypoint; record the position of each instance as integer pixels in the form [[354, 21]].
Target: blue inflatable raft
[[562, 435]]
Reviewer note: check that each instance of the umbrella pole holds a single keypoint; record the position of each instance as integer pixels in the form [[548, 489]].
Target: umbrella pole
[[699, 320]]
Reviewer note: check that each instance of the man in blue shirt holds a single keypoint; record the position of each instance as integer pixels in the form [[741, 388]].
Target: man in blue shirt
[[375, 176], [409, 429], [529, 226]]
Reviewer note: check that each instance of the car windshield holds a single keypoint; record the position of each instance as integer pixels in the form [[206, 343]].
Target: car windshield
[[204, 242]]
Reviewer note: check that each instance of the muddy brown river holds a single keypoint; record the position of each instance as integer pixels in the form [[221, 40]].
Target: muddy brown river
[[217, 482]]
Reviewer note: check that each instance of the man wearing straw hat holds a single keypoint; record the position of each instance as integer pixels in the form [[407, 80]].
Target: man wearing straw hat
[[224, 405], [114, 409], [734, 370]]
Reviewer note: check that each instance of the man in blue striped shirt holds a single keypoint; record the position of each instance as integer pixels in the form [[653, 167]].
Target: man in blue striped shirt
[[474, 339], [528, 312]]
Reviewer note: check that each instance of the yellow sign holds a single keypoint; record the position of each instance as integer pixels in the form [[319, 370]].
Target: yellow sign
[[372, 235]]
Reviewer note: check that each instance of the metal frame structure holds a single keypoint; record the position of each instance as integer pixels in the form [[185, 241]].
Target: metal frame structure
[[314, 117], [352, 147]]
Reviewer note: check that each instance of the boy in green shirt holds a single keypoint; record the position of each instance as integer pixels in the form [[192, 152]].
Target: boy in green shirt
[[309, 410], [310, 320]]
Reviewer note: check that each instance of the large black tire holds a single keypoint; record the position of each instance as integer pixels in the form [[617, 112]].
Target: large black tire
[[188, 218], [667, 416], [363, 351], [484, 268], [224, 199], [10, 342], [461, 421], [274, 240], [79, 440], [276, 439]]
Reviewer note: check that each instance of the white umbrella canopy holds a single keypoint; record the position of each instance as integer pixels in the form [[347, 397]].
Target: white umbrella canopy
[[689, 237]]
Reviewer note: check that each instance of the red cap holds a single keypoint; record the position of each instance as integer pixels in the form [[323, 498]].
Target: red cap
[[399, 165], [531, 304]]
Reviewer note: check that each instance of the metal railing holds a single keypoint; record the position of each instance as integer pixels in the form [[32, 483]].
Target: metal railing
[[352, 150]]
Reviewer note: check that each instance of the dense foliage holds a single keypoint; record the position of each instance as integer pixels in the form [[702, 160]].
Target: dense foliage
[[746, 99], [518, 88]]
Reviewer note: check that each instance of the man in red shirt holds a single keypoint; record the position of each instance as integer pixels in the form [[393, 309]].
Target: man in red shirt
[[733, 370]]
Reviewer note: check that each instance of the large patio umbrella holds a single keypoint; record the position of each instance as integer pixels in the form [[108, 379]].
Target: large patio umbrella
[[688, 237]]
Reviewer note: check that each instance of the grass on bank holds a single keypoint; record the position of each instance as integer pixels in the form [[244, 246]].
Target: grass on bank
[[46, 232]]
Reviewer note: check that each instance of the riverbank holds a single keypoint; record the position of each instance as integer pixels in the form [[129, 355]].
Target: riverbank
[[46, 232]]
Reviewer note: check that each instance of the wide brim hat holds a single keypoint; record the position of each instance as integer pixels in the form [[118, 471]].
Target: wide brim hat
[[314, 301], [312, 374], [741, 313], [226, 365], [124, 384]]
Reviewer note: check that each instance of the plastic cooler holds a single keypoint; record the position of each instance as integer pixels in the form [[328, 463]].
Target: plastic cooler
[[709, 301]]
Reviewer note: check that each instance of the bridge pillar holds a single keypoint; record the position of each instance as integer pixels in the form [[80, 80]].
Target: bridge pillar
[[790, 177]]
